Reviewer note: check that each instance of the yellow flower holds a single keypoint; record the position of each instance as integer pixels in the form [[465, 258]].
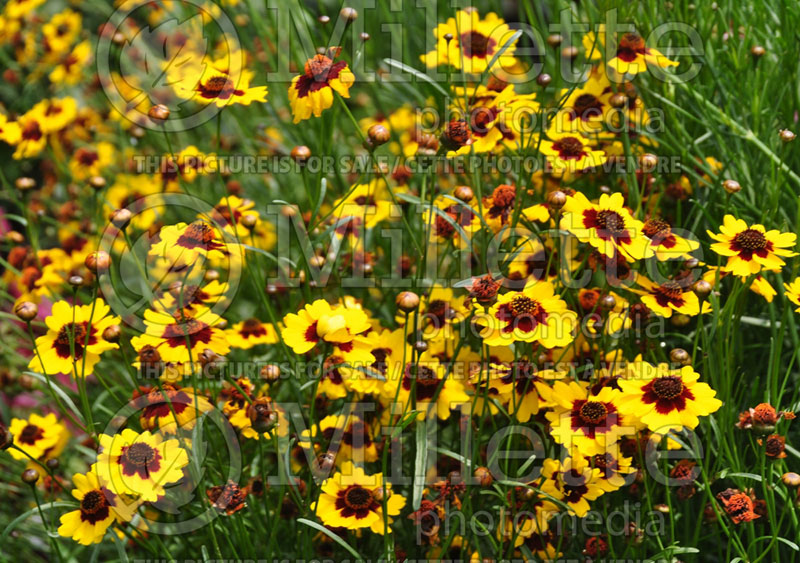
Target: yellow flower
[[666, 399], [793, 292], [70, 69], [751, 249], [535, 314], [633, 56], [61, 31], [249, 333], [351, 499], [312, 92], [607, 225], [183, 336], [584, 420], [574, 482], [672, 295], [41, 437], [569, 152], [170, 408], [98, 509], [73, 342], [473, 43], [319, 321], [213, 86], [91, 161], [140, 465]]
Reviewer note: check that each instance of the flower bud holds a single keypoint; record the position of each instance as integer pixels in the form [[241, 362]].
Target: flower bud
[[483, 476], [112, 333], [407, 301], [757, 51], [348, 14], [544, 80], [787, 136], [378, 135], [301, 154], [791, 479], [702, 289], [731, 186], [97, 182], [98, 262], [158, 113], [25, 183], [556, 199], [262, 414], [464, 193], [555, 40], [680, 356], [30, 476], [6, 439], [121, 217], [26, 311]]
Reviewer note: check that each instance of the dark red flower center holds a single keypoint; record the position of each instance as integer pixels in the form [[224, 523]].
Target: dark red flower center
[[357, 497], [139, 459], [198, 235], [593, 412], [476, 44], [751, 240], [31, 434], [668, 387], [94, 506], [586, 107], [569, 148]]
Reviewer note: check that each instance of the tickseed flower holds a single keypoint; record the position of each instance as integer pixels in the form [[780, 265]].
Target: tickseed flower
[[607, 225], [219, 87], [472, 43], [585, 108], [574, 482], [670, 296], [369, 203], [614, 469], [352, 499], [738, 505], [665, 399], [158, 405], [585, 421], [140, 465], [751, 249], [633, 56], [667, 245], [535, 314], [61, 31], [451, 222], [69, 69], [186, 243], [569, 152], [41, 437], [424, 383], [73, 342], [182, 337], [98, 509], [793, 292], [521, 385], [251, 332], [312, 92], [347, 437], [319, 321], [91, 161]]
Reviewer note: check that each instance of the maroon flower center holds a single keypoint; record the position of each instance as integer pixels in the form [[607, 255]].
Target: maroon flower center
[[139, 459], [656, 227], [426, 381], [569, 148], [593, 412], [217, 87], [522, 305], [668, 388], [65, 335], [92, 502], [32, 131], [476, 44], [252, 328], [31, 434], [586, 106], [610, 221], [751, 240], [357, 497]]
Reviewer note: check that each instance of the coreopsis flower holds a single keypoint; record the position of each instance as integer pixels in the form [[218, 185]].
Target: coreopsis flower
[[675, 295], [762, 287], [615, 469], [567, 152], [762, 418], [73, 342], [574, 482], [424, 383], [137, 193], [32, 137], [751, 249], [312, 92], [469, 43], [41, 437], [793, 292], [169, 408], [439, 311], [18, 9], [251, 332], [213, 86], [99, 508], [738, 505], [184, 243], [519, 384], [535, 314], [586, 421], [665, 399], [69, 69], [667, 245], [187, 298], [182, 336], [774, 446], [61, 31], [607, 225], [91, 161], [321, 322], [499, 121], [231, 214], [451, 221], [347, 437], [586, 108], [633, 56], [352, 499], [368, 203], [139, 465]]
